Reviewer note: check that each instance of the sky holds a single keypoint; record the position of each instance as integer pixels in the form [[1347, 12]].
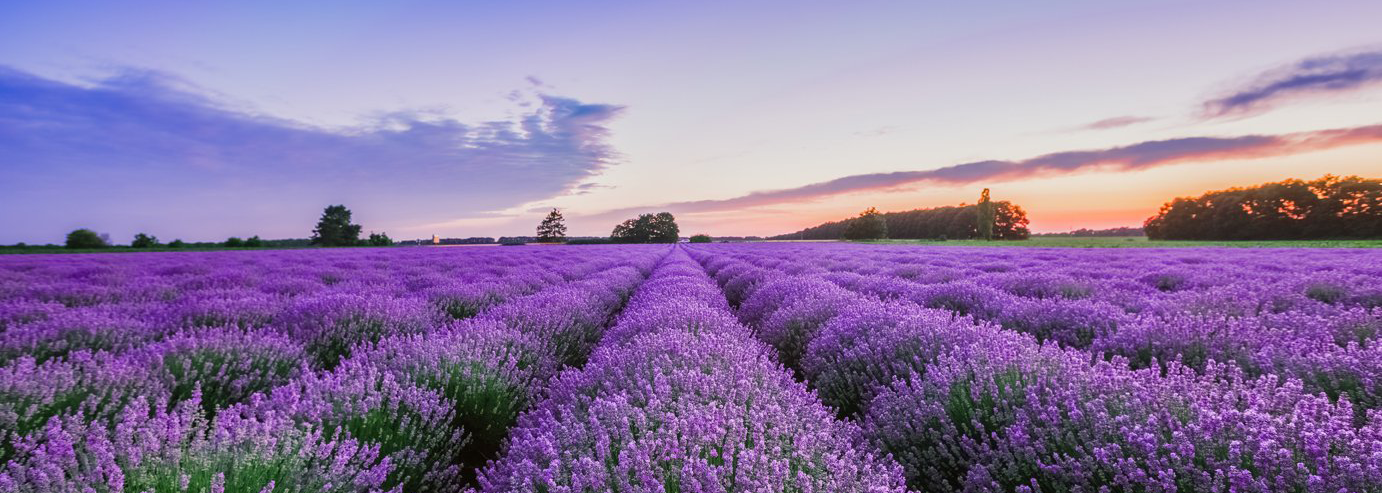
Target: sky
[[198, 121]]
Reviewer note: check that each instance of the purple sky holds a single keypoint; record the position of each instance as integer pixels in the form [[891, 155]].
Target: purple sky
[[466, 119]]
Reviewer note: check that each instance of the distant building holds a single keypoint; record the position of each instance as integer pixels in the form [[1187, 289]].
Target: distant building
[[436, 240]]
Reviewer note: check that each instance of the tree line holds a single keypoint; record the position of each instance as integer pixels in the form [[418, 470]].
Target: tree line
[[957, 222], [334, 228], [1096, 233], [1328, 207]]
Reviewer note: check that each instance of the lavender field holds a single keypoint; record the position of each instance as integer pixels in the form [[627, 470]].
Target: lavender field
[[768, 367]]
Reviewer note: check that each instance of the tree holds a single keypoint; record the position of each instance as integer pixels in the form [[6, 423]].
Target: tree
[[648, 228], [85, 238], [984, 216], [335, 229], [254, 242], [142, 240], [233, 242], [1009, 222], [178, 243], [380, 239], [870, 225], [553, 228], [700, 239]]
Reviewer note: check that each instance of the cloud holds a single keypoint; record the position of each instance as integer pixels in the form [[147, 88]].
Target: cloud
[[1139, 156], [1116, 122], [1315, 76], [139, 143]]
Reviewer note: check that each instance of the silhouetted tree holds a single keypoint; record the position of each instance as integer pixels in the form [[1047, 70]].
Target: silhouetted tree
[[553, 228], [870, 225], [700, 239], [178, 243], [335, 229], [648, 228], [985, 216], [254, 242], [1329, 207], [142, 240], [85, 238], [1009, 222], [233, 242]]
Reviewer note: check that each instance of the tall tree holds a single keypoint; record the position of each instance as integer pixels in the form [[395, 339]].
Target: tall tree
[[870, 225], [553, 228], [335, 229], [985, 215]]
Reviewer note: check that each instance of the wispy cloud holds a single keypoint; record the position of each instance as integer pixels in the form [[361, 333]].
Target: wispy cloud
[[1139, 156], [1315, 76], [1116, 122], [135, 144]]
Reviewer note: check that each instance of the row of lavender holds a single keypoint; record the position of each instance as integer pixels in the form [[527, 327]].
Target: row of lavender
[[376, 371], [918, 347], [1305, 314], [679, 396]]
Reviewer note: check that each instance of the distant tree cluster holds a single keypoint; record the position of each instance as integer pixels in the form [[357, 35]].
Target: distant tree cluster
[[951, 222], [647, 228], [985, 216], [701, 239], [1095, 233], [1329, 207]]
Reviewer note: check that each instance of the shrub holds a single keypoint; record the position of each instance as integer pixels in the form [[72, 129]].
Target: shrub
[[414, 429], [800, 315], [869, 345], [75, 329], [379, 239], [570, 319], [254, 242], [1029, 418], [224, 366], [331, 325], [233, 242], [485, 370], [179, 451], [700, 239], [92, 389], [1069, 323]]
